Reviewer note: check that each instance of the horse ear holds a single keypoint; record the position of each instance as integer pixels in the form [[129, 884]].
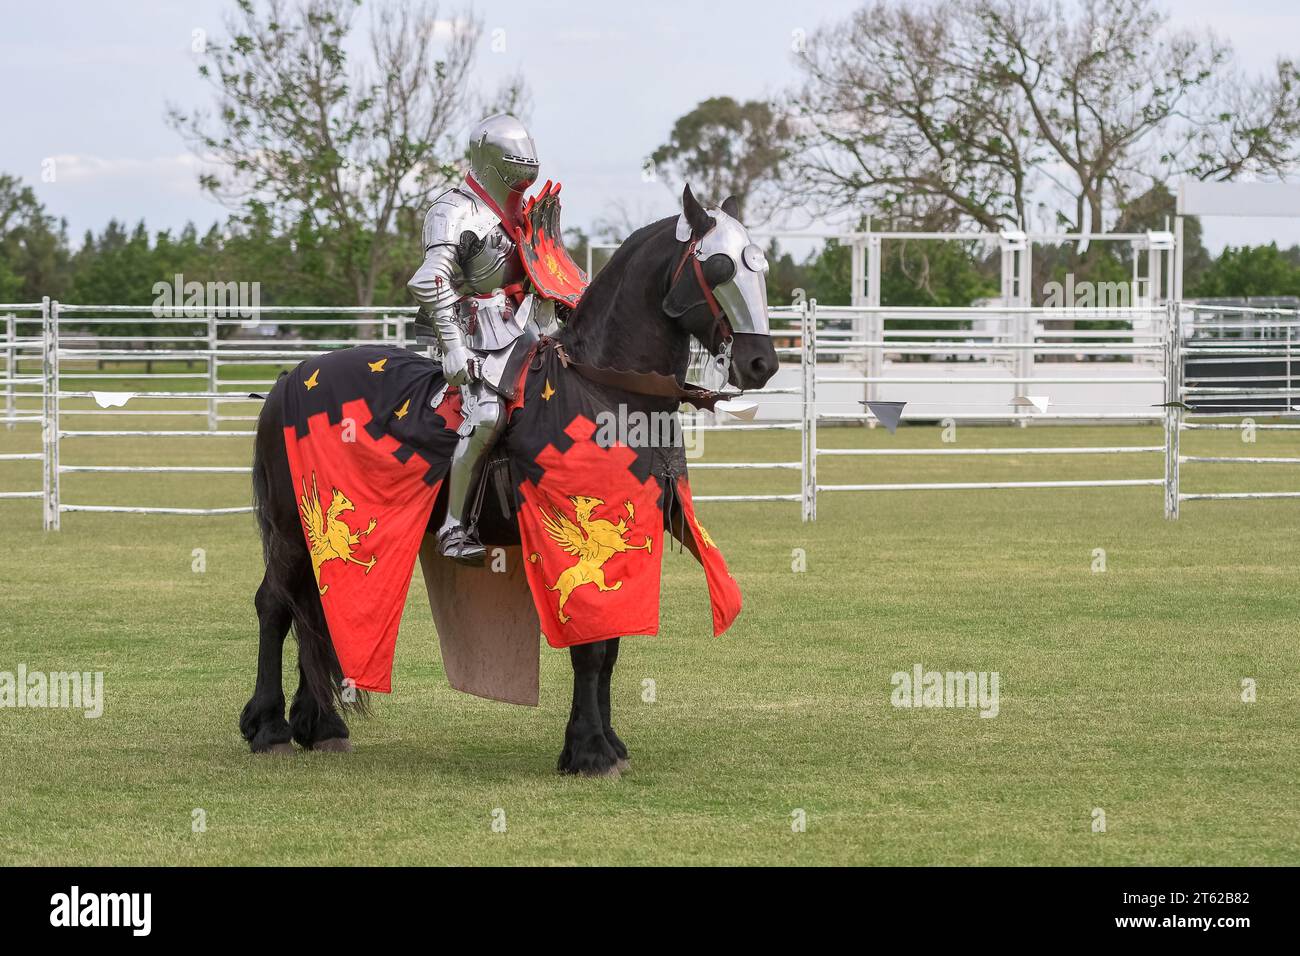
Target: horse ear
[[731, 207], [700, 221]]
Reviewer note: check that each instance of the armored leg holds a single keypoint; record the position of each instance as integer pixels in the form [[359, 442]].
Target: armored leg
[[484, 418]]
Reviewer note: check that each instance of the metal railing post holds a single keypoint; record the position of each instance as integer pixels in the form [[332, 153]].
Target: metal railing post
[[11, 355], [808, 433], [1173, 413], [212, 371], [803, 412], [50, 411], [45, 413], [873, 328], [1289, 393], [1023, 363]]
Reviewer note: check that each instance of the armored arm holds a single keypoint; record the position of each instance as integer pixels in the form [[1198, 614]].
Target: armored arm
[[434, 288]]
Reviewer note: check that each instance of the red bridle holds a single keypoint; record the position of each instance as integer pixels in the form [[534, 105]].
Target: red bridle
[[722, 326]]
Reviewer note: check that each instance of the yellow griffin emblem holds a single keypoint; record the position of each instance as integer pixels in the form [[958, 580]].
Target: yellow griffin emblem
[[328, 535], [593, 541], [553, 266]]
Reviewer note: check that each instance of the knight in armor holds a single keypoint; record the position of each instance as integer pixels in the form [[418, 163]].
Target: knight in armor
[[473, 290]]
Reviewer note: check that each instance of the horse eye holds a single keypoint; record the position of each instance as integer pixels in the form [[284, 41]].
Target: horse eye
[[754, 258]]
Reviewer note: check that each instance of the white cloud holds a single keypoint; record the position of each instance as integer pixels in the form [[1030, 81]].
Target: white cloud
[[163, 190], [175, 173], [445, 29]]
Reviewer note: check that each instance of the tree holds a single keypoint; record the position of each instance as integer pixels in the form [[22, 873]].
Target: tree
[[725, 148], [784, 275], [1249, 271], [828, 274], [982, 111], [1155, 210], [891, 113], [308, 142], [936, 273], [33, 246], [116, 267]]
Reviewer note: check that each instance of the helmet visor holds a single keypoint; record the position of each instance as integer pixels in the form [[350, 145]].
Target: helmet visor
[[517, 175]]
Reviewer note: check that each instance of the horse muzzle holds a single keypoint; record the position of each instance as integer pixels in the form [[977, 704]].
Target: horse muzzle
[[753, 360]]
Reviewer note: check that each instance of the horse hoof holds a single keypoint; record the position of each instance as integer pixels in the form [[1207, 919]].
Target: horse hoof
[[280, 750], [333, 745], [623, 765], [612, 773]]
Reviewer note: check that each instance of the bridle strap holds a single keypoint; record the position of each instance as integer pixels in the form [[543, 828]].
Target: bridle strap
[[716, 309], [719, 317], [681, 263]]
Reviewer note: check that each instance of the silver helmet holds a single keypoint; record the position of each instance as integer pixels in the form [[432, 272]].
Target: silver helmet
[[502, 157]]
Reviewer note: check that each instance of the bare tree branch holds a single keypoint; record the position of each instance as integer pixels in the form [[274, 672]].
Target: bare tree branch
[[300, 133], [952, 112]]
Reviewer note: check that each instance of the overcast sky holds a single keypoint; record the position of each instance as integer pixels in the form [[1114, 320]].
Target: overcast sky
[[87, 82]]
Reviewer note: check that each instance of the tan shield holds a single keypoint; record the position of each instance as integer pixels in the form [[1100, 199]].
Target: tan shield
[[487, 625]]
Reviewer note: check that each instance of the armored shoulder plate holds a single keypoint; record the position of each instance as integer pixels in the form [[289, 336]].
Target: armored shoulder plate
[[453, 214]]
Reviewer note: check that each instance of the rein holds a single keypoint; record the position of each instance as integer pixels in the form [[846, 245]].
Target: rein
[[651, 384], [655, 384]]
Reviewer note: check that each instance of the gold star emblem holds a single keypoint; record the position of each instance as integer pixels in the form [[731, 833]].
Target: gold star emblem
[[547, 392], [406, 407], [377, 366], [311, 382]]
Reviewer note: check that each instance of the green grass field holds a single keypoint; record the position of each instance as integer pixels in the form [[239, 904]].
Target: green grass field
[[1120, 690]]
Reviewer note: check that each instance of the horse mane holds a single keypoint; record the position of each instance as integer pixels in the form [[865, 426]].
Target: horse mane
[[605, 285], [620, 321]]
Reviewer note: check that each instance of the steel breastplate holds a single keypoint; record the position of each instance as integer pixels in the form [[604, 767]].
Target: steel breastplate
[[489, 263]]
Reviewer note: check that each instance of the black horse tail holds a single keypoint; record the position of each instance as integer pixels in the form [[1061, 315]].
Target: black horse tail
[[289, 575]]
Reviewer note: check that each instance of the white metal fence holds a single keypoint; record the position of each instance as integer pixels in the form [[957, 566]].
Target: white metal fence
[[1000, 365], [996, 349], [24, 384], [81, 345], [1239, 362]]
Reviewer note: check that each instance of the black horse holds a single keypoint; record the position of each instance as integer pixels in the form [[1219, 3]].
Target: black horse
[[638, 314]]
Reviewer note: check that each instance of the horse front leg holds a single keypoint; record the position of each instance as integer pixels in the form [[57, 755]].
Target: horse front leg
[[262, 722], [602, 699], [587, 750]]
